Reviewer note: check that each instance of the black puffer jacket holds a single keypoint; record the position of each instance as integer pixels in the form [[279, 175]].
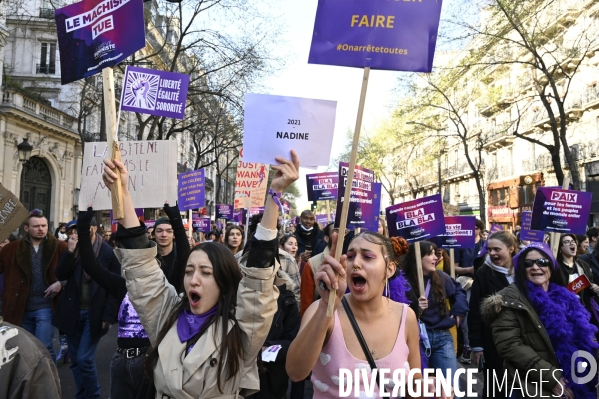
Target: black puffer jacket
[[522, 341], [285, 326]]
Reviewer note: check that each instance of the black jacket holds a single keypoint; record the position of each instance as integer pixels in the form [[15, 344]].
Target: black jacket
[[285, 326], [487, 282], [102, 305], [318, 243]]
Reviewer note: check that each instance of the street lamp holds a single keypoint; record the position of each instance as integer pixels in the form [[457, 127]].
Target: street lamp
[[24, 150]]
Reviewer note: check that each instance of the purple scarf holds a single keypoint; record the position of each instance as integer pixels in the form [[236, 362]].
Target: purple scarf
[[189, 324], [567, 324]]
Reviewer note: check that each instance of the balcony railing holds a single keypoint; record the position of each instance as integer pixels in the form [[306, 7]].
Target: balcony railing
[[45, 69], [15, 99]]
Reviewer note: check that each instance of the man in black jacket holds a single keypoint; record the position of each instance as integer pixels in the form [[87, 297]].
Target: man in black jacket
[[310, 238], [85, 310]]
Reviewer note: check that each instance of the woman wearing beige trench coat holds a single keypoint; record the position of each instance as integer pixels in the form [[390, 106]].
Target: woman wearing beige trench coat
[[194, 368]]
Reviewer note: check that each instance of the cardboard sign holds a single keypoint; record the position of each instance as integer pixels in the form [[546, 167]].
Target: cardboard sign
[[152, 167], [191, 191], [12, 213], [459, 232], [200, 223], [250, 183], [526, 234], [380, 34], [579, 284], [160, 93], [93, 35], [417, 220], [561, 211], [224, 211], [282, 124], [361, 206], [322, 186]]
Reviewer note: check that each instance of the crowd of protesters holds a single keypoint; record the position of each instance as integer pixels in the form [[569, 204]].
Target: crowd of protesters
[[195, 314]]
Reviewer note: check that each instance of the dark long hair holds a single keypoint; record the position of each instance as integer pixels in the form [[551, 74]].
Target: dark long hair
[[560, 257], [227, 275], [411, 270], [228, 233], [520, 278]]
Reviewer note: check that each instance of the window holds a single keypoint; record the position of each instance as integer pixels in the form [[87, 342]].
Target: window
[[499, 197], [47, 63], [527, 194]]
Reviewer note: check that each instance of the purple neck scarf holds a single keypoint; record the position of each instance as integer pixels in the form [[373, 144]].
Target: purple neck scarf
[[190, 324]]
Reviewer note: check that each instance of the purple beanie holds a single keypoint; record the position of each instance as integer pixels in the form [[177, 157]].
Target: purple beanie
[[539, 246]]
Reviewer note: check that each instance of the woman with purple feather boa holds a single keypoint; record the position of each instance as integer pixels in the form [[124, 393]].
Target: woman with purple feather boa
[[538, 327]]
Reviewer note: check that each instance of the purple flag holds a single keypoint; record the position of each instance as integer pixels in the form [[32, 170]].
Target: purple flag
[[322, 186], [148, 91], [191, 190], [93, 35], [380, 34], [361, 203], [561, 211], [417, 220], [460, 232], [526, 234], [224, 211]]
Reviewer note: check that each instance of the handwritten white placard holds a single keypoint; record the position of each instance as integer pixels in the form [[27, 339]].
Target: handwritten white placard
[[275, 125], [152, 167]]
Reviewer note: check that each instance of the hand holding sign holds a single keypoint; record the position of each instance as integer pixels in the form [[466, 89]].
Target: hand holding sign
[[287, 172]]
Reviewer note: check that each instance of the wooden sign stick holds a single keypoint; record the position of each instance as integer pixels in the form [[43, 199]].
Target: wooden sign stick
[[113, 140], [555, 236], [328, 211], [419, 268], [349, 183]]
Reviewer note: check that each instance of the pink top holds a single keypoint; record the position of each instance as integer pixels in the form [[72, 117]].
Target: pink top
[[335, 355]]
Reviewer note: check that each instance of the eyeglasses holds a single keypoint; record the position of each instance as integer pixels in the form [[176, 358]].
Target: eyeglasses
[[568, 242], [541, 262]]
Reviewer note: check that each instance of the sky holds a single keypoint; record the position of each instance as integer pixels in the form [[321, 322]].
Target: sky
[[341, 84]]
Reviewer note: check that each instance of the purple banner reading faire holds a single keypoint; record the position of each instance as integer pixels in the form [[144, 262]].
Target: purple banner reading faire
[[191, 190], [561, 211], [322, 186], [200, 223], [526, 234], [460, 232], [224, 211], [417, 220], [93, 35], [160, 93], [380, 34], [361, 207]]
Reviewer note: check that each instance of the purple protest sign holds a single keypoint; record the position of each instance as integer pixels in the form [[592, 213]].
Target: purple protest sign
[[286, 206], [256, 210], [224, 211], [460, 232], [200, 223], [494, 228], [322, 186], [526, 234], [149, 223], [380, 34], [160, 93], [373, 224], [361, 207], [93, 35], [139, 212], [417, 220], [191, 190], [561, 211], [239, 216], [321, 219]]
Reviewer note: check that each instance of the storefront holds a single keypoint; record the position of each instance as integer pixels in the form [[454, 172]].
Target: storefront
[[509, 198]]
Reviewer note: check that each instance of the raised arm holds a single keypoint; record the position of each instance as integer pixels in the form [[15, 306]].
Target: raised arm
[[181, 244], [113, 283]]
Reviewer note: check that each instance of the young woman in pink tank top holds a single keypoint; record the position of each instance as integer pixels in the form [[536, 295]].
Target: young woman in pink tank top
[[326, 345]]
